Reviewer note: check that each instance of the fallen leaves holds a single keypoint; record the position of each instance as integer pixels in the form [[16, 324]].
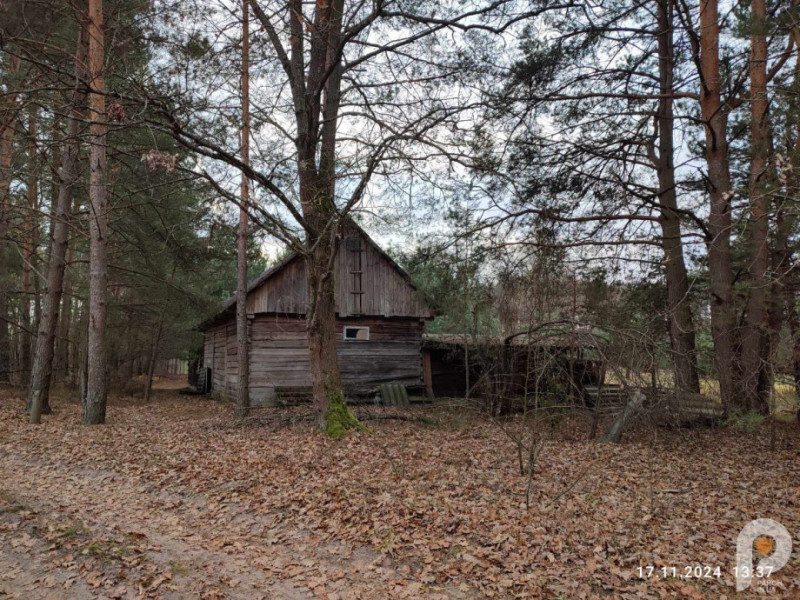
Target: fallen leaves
[[179, 501]]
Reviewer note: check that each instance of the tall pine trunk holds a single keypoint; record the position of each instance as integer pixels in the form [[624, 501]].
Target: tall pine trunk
[[65, 363], [243, 345], [681, 324], [29, 245], [715, 121], [780, 258], [793, 320], [94, 412], [39, 394], [753, 340], [790, 280], [7, 131]]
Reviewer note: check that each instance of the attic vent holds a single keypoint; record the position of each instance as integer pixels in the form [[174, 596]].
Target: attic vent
[[353, 243]]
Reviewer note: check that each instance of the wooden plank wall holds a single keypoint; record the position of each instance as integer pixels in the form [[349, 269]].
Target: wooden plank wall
[[285, 292], [279, 355], [208, 349], [231, 359], [218, 372], [392, 354], [386, 292]]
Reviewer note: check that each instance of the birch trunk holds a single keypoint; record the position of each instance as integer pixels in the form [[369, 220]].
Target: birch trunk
[[793, 320]]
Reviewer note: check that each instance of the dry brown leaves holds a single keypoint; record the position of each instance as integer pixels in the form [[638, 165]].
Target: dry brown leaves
[[175, 500]]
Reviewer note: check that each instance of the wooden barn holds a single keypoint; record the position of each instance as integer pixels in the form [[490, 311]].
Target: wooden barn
[[380, 318]]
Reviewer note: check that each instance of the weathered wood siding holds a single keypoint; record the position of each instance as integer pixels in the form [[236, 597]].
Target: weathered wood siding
[[383, 290], [284, 293], [279, 354]]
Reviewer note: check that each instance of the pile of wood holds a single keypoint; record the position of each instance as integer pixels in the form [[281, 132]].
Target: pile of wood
[[671, 406], [664, 405]]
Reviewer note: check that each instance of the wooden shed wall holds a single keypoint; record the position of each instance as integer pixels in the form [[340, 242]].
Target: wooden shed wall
[[279, 354], [384, 291]]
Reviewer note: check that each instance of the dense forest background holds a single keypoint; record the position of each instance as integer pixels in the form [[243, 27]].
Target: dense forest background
[[630, 167]]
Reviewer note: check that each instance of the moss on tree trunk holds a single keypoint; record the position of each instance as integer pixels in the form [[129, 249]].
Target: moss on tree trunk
[[338, 418], [333, 416]]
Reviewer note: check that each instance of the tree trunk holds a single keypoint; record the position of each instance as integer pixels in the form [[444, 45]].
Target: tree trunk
[[243, 345], [793, 320], [83, 369], [62, 344], [7, 131], [65, 345], [681, 325], [715, 119], [777, 312], [316, 102], [39, 394], [97, 382], [29, 243], [156, 347], [333, 416], [151, 364], [753, 359], [789, 279]]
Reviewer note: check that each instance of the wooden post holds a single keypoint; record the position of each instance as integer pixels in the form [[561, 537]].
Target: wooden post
[[427, 373]]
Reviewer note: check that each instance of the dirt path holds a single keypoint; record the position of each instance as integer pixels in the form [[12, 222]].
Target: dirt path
[[174, 544], [143, 541]]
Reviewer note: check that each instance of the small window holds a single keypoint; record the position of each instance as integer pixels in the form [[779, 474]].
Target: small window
[[356, 334]]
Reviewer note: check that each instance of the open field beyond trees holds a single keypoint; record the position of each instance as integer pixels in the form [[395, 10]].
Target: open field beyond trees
[[176, 499]]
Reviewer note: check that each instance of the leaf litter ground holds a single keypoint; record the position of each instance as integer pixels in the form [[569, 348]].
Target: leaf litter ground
[[176, 499]]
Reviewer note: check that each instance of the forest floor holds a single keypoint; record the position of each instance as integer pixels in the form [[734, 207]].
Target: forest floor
[[175, 499]]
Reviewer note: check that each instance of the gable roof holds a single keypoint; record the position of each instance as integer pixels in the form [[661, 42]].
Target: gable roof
[[229, 306]]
